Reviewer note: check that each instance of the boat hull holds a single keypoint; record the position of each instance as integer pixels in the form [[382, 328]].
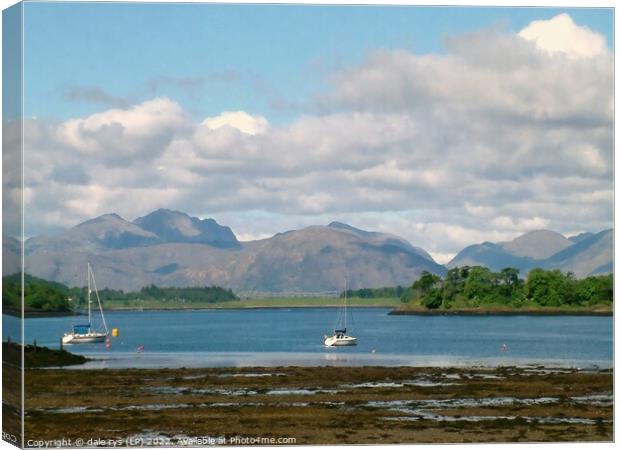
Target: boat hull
[[89, 338], [340, 341]]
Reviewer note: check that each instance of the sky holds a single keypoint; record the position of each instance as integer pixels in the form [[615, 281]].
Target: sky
[[446, 126]]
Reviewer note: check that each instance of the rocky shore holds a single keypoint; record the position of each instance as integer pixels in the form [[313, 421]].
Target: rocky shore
[[320, 405]]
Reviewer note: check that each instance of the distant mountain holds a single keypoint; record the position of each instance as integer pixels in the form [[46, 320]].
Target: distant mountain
[[591, 255], [109, 231], [583, 255], [580, 236], [493, 256], [392, 239], [174, 226], [11, 255], [539, 244], [316, 259], [170, 248]]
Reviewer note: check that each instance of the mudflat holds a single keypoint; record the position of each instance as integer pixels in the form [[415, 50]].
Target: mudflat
[[320, 405]]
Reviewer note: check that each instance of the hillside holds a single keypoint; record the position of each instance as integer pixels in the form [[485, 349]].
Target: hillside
[[177, 250], [106, 232], [43, 296], [11, 250], [171, 248], [174, 226], [315, 259], [539, 244], [584, 254], [39, 295], [591, 255]]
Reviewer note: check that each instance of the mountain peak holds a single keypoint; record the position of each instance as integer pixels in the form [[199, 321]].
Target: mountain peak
[[541, 232], [111, 231], [176, 226], [537, 244], [351, 229], [170, 212], [344, 226], [109, 217]]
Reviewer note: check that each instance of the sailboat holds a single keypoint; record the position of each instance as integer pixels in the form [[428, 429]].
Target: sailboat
[[340, 337], [84, 333]]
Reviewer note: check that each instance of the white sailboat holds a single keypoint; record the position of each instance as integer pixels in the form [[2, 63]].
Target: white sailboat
[[84, 333], [340, 337]]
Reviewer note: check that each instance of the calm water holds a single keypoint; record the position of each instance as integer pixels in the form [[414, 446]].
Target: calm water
[[272, 337]]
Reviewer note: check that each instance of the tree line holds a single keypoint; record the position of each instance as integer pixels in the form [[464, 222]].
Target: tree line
[[39, 294], [472, 287], [383, 292], [43, 295], [205, 294]]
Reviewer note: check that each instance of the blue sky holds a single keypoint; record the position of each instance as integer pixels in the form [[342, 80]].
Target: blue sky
[[263, 59], [446, 126]]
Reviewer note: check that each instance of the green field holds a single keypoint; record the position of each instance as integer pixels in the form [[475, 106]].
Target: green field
[[273, 302], [499, 309]]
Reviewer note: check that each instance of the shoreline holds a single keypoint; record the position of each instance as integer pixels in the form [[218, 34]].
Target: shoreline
[[30, 314], [241, 308], [393, 312], [321, 405], [327, 358], [37, 356], [502, 312]]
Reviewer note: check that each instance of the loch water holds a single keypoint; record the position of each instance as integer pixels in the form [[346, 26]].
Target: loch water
[[294, 336]]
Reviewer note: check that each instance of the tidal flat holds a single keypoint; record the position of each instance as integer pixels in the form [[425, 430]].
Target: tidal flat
[[322, 405]]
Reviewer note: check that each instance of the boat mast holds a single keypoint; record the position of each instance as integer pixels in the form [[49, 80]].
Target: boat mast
[[88, 297], [345, 304], [105, 326]]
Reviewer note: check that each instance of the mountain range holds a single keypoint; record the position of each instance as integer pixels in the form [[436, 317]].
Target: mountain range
[[583, 255], [170, 248]]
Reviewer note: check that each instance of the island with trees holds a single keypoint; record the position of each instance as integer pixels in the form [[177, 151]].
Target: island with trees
[[478, 290]]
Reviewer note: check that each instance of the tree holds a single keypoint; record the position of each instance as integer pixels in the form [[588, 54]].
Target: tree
[[479, 283], [547, 288], [426, 281], [433, 299], [509, 280], [454, 283]]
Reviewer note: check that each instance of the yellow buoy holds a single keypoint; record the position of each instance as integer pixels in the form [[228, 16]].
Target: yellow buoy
[[115, 332]]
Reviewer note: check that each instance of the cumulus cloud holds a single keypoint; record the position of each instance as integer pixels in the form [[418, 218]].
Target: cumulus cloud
[[502, 134], [537, 89], [561, 34], [119, 135], [239, 120]]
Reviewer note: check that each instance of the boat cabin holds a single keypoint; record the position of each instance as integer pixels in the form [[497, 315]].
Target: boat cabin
[[81, 329]]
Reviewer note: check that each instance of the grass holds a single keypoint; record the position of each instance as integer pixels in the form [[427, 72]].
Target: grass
[[491, 308], [270, 302], [288, 302]]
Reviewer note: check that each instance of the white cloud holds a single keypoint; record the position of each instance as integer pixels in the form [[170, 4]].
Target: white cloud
[[461, 86], [239, 120], [521, 224], [121, 135], [246, 237], [487, 141], [561, 34], [442, 258]]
